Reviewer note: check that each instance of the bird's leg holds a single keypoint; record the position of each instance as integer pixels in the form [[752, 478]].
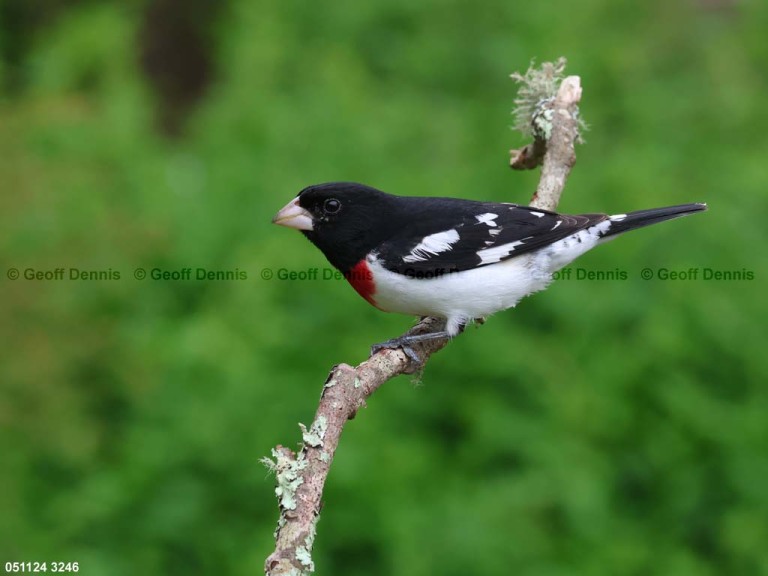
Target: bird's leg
[[405, 343]]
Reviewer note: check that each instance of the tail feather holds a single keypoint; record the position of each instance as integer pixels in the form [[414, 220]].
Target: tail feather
[[621, 223]]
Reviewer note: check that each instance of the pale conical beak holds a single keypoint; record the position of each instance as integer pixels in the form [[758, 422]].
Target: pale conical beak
[[294, 216]]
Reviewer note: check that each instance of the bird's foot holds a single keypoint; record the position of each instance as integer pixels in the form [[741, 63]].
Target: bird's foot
[[405, 344], [396, 343]]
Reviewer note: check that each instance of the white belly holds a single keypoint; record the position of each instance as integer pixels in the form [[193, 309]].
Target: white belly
[[480, 292]]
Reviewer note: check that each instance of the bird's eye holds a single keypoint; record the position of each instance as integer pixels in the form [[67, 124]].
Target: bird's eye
[[331, 206]]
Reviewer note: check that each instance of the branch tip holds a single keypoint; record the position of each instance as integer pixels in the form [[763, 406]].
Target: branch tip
[[543, 92], [537, 85]]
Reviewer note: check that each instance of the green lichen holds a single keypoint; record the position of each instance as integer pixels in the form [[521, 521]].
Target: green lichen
[[535, 98], [310, 539], [288, 475], [542, 120], [304, 553], [315, 435], [304, 556], [537, 86]]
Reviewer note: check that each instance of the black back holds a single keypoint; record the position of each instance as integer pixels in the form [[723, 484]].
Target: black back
[[369, 220]]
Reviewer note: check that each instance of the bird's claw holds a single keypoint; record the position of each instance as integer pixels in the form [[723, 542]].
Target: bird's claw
[[402, 344]]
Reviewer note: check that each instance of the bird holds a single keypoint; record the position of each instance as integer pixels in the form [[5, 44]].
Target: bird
[[451, 258]]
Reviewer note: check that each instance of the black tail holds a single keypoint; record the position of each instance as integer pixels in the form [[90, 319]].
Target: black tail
[[624, 222]]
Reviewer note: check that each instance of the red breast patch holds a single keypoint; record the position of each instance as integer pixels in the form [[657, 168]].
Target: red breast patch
[[361, 279]]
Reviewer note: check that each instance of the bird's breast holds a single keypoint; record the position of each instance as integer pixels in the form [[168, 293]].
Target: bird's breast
[[361, 278]]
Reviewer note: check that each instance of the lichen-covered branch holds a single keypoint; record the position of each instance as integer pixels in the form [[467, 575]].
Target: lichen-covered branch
[[547, 109], [301, 475], [560, 156]]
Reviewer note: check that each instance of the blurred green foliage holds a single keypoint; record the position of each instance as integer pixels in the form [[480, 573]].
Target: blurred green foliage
[[601, 428]]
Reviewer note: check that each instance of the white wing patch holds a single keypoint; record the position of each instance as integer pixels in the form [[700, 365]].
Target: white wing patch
[[487, 218], [495, 254], [618, 217], [537, 214], [556, 225], [433, 244]]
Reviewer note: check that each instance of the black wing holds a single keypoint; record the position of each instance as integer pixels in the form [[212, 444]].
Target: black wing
[[461, 235]]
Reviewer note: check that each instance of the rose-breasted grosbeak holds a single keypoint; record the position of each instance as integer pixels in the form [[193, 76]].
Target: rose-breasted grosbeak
[[446, 257]]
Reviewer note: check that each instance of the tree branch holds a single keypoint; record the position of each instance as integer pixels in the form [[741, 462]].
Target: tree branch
[[301, 476], [560, 156]]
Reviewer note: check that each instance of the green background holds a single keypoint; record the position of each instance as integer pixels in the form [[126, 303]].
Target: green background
[[615, 427]]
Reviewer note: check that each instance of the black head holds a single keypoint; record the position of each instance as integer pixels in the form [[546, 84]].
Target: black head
[[343, 219]]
